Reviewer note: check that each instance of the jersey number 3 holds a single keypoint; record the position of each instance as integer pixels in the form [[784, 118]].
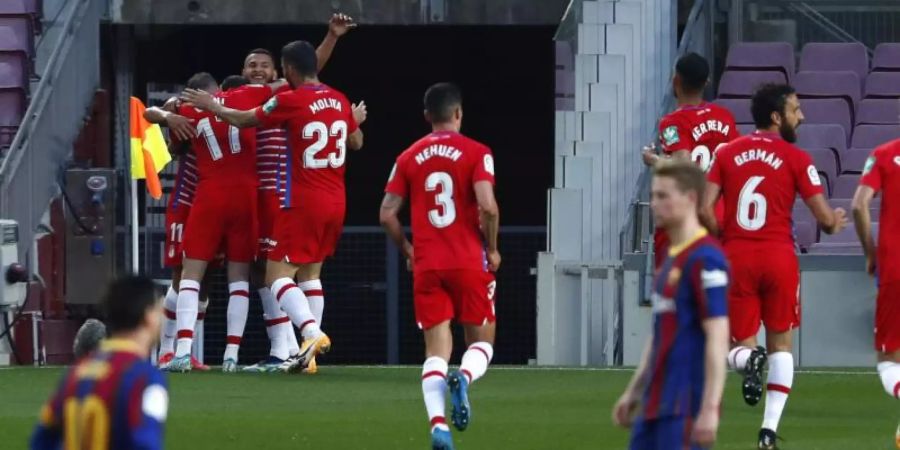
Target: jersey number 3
[[444, 199], [749, 197]]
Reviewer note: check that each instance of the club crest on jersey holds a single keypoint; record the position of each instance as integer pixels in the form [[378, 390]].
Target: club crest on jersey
[[813, 175], [489, 164], [670, 135], [896, 160], [270, 105], [674, 276], [870, 163]]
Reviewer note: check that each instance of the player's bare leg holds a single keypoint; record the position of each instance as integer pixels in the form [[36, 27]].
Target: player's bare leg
[[749, 359], [309, 280], [280, 277], [778, 385], [475, 361], [238, 307], [186, 311], [438, 347]]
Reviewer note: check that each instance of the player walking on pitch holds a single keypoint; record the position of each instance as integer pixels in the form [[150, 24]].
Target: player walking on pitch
[[680, 378], [321, 127], [759, 176], [882, 174], [449, 181]]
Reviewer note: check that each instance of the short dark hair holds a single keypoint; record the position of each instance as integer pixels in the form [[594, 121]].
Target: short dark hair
[[687, 175], [693, 70], [201, 81], [233, 81], [126, 302], [440, 101], [301, 55], [259, 51], [769, 98]]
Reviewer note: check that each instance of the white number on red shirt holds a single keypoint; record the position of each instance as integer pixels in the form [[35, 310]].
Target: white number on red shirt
[[204, 128], [703, 157], [444, 199], [749, 197], [320, 132]]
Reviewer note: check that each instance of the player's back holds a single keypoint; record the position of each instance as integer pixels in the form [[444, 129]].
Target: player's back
[[226, 154], [883, 170], [760, 176], [700, 129], [440, 171], [112, 399]]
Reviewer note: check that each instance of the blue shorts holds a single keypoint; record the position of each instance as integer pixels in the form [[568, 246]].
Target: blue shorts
[[668, 433]]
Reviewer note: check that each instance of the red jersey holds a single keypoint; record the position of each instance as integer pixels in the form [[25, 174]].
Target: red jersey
[[185, 181], [760, 175], [226, 155], [700, 130], [318, 120], [438, 174], [882, 173]]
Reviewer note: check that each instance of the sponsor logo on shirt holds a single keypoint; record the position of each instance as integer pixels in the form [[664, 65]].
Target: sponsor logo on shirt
[[660, 304], [670, 135], [870, 163], [270, 105], [813, 175]]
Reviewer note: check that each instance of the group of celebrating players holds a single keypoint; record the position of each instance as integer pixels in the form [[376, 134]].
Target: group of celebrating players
[[712, 182]]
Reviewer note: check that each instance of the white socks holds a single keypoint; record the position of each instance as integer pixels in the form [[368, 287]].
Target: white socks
[[170, 325], [293, 302], [475, 360], [186, 315], [889, 372], [737, 358], [779, 382], [238, 307], [313, 291], [277, 324], [434, 387]]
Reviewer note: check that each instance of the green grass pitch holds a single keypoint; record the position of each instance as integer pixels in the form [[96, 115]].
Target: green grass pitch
[[513, 408]]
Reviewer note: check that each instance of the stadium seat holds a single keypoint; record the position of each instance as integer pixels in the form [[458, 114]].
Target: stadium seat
[[757, 56], [836, 56], [883, 85], [874, 210], [871, 136], [826, 162], [746, 128], [742, 84], [843, 84], [816, 135], [827, 111], [805, 233], [739, 107], [16, 35], [845, 186], [887, 57], [13, 71], [25, 9], [854, 159], [878, 111]]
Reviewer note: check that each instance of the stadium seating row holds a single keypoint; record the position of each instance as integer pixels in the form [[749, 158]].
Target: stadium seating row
[[19, 22]]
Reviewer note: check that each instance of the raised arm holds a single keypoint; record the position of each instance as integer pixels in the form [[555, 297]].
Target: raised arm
[[490, 221], [863, 221], [165, 115], [205, 100], [338, 26]]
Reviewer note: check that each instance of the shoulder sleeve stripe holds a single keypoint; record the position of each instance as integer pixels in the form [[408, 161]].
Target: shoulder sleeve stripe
[[713, 278]]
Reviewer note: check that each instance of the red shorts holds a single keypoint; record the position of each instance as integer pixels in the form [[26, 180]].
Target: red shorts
[[176, 219], [887, 318], [466, 295], [765, 287], [224, 215], [269, 206], [309, 234]]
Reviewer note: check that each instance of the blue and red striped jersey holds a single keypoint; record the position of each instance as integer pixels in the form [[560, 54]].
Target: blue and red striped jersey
[[689, 288], [113, 399]]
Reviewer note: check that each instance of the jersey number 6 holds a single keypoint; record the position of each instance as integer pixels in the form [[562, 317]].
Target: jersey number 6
[[749, 197]]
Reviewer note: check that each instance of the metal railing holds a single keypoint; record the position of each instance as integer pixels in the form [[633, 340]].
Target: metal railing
[[32, 167]]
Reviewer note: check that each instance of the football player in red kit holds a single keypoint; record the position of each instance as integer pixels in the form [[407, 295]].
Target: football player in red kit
[[759, 176], [695, 130], [448, 179]]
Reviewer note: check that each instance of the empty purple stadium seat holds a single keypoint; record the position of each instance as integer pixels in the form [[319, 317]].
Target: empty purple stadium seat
[[878, 111], [826, 162], [845, 186], [744, 83], [883, 85], [816, 135], [871, 136], [805, 233], [801, 212], [843, 84], [836, 56], [746, 128], [854, 159], [762, 56], [13, 70], [739, 107], [16, 35], [846, 203], [827, 111], [565, 59], [887, 57]]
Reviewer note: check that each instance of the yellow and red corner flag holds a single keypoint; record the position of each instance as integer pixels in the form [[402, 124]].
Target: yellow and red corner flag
[[149, 154]]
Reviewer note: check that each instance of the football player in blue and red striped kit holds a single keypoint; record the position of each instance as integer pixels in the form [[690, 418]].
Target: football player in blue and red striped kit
[[114, 398], [678, 385]]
